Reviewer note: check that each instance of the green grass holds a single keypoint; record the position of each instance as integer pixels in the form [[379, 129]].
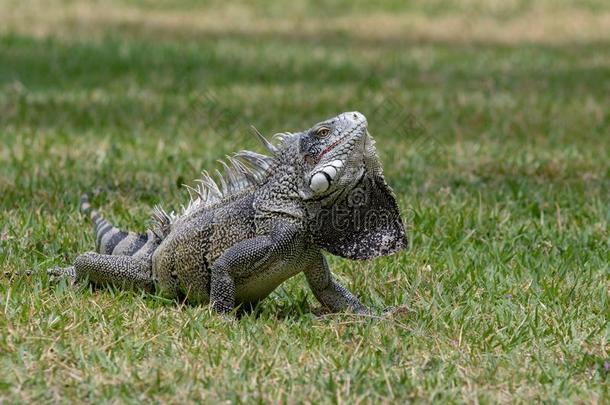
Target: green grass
[[498, 151]]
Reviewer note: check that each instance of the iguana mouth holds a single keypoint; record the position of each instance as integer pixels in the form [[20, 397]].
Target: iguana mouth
[[330, 147]]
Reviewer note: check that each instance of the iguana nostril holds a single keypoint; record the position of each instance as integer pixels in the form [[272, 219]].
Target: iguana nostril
[[358, 117]]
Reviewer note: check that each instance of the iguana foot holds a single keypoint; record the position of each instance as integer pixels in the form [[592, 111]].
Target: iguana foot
[[56, 273], [398, 310], [388, 310]]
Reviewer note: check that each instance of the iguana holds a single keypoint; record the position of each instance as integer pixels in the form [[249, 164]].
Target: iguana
[[270, 218]]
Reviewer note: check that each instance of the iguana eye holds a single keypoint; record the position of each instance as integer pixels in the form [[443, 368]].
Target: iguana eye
[[322, 132]]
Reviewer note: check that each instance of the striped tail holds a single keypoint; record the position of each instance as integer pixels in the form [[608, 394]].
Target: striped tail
[[110, 240]]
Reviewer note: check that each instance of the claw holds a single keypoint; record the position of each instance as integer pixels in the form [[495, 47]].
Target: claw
[[63, 272]]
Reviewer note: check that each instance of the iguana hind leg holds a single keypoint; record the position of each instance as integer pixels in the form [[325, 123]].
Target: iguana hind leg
[[63, 272], [125, 258], [119, 271]]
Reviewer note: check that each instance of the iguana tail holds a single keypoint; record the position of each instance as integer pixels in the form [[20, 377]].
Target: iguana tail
[[110, 240]]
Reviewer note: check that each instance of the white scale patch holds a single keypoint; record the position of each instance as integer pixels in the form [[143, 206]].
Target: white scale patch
[[319, 182]]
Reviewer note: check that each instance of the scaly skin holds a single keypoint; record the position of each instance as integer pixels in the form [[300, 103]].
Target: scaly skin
[[322, 188]]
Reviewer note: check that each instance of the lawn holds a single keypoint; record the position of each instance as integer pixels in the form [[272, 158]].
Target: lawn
[[492, 120]]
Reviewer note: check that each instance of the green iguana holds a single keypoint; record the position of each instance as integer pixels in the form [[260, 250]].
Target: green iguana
[[270, 219]]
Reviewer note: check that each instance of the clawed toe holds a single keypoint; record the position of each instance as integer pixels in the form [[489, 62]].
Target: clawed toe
[[62, 272]]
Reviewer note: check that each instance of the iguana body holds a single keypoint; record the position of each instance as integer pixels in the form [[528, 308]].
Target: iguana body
[[322, 188]]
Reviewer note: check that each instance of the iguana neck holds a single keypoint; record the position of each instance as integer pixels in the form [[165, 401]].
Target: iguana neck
[[278, 197]]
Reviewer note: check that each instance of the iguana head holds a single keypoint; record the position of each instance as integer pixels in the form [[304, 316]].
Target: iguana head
[[353, 212], [333, 152]]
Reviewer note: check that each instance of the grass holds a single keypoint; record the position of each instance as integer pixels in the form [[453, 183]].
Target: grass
[[493, 131]]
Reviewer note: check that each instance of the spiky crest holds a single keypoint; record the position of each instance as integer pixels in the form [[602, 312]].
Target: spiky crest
[[268, 145], [242, 171], [162, 221]]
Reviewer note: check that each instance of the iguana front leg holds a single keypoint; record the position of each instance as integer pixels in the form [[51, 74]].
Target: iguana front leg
[[328, 291], [247, 257]]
